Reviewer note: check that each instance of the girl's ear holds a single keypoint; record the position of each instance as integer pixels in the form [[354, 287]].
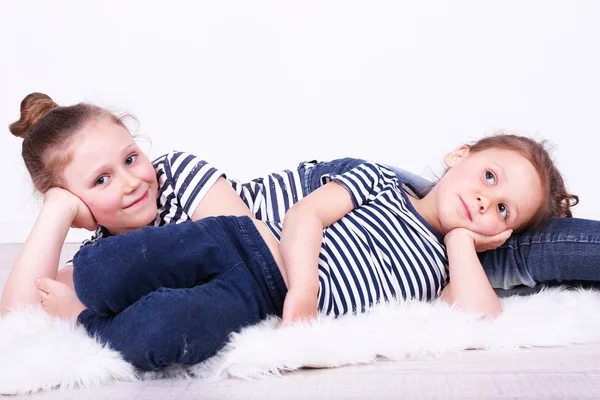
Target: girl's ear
[[456, 156]]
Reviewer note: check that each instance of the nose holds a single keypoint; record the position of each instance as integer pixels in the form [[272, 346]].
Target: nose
[[483, 203], [130, 182]]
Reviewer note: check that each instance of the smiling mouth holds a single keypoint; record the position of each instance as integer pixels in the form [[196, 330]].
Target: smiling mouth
[[467, 211], [143, 197]]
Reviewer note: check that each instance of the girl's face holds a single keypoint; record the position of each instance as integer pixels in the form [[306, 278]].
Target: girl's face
[[113, 177], [487, 192]]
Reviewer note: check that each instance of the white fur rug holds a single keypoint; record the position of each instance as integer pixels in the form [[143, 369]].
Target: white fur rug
[[39, 352]]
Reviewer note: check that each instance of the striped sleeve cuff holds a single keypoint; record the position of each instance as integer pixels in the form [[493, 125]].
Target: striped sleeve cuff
[[191, 178], [362, 182]]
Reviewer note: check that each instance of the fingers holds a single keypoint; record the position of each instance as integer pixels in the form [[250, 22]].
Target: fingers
[[43, 290], [287, 320], [484, 243], [43, 296], [506, 233], [290, 316], [292, 319], [45, 287], [294, 316], [501, 237]]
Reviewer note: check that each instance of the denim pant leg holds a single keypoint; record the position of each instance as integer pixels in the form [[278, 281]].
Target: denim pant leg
[[187, 326], [312, 175], [566, 249], [117, 271], [420, 185]]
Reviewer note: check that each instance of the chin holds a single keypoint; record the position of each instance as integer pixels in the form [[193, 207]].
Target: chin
[[143, 216], [145, 220], [135, 223]]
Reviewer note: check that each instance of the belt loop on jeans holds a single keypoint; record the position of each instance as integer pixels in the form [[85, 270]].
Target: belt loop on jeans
[[304, 170]]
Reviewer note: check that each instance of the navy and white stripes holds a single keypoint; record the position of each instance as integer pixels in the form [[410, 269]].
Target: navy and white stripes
[[381, 250], [183, 180], [270, 197]]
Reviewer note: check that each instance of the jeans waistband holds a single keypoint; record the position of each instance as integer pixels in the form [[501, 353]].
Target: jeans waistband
[[304, 170], [258, 247]]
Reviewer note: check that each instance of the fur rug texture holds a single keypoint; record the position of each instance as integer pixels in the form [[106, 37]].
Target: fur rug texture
[[39, 352]]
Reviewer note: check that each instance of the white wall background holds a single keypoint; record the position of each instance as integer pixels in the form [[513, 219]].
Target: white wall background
[[257, 86]]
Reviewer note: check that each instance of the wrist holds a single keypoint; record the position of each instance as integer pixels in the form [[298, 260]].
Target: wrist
[[64, 210], [61, 201], [304, 290], [458, 236]]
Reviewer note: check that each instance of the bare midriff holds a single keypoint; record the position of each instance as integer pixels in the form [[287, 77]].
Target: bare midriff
[[273, 246]]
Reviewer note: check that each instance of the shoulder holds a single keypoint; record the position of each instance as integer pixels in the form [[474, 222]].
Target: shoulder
[[184, 179], [171, 158], [368, 174], [180, 165], [178, 160]]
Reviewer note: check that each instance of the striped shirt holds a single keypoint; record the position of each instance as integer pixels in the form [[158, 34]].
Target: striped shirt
[[381, 250], [269, 197], [184, 179]]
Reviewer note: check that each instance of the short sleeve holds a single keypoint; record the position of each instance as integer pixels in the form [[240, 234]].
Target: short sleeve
[[366, 181], [188, 177]]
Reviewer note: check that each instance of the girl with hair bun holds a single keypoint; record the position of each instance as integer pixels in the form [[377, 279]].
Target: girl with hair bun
[[182, 257]]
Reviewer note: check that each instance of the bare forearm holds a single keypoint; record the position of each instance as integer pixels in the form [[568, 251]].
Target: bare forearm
[[39, 256], [469, 287], [300, 246]]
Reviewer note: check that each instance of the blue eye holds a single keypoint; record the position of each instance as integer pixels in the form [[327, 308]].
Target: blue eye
[[101, 181], [503, 210], [490, 177], [130, 160]]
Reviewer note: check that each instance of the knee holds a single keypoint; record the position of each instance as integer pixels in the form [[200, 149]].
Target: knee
[[90, 297], [174, 330], [97, 280], [163, 342], [151, 351], [91, 290]]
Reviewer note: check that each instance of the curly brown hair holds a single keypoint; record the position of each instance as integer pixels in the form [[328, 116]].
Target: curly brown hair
[[557, 200]]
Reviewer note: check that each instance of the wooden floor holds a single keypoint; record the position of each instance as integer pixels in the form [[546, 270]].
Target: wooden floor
[[550, 373]]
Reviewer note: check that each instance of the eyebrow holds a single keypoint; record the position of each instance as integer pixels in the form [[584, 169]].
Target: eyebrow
[[97, 171]]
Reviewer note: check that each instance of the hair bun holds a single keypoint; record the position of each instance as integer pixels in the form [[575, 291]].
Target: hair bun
[[34, 107]]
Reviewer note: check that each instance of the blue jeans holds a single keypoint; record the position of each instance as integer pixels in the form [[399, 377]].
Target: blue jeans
[[566, 250], [173, 294]]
